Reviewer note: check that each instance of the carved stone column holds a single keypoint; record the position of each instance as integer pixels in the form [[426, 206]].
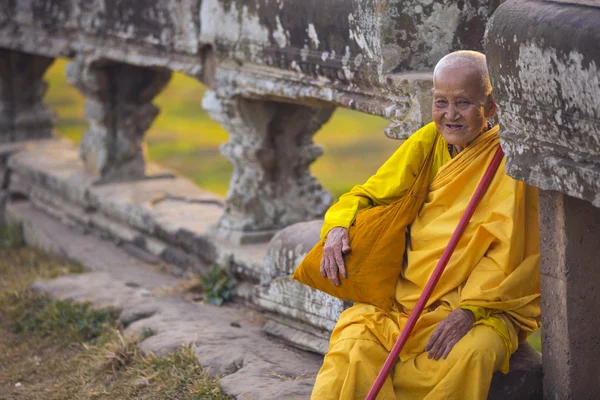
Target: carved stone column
[[271, 149], [23, 115], [119, 110]]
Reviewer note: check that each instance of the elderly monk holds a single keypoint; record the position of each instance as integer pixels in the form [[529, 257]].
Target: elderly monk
[[487, 300]]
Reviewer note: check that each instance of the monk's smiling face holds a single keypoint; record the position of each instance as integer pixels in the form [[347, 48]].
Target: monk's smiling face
[[460, 106]]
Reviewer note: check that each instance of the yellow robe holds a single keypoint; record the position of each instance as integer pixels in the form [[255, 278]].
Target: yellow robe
[[494, 272]]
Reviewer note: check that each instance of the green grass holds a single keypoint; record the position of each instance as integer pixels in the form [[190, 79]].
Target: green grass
[[11, 236], [66, 321], [185, 139]]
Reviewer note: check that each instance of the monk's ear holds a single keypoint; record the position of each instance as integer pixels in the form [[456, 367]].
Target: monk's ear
[[491, 106]]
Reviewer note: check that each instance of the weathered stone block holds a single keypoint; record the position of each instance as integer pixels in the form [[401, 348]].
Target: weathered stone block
[[349, 40], [161, 33], [545, 65], [166, 24]]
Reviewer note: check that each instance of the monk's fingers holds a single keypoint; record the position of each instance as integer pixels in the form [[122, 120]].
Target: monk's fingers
[[441, 347], [332, 271], [434, 348], [346, 244], [438, 341], [448, 348], [327, 255], [435, 336], [339, 260]]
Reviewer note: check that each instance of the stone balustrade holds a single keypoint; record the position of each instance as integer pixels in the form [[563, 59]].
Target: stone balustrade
[[276, 70], [270, 65]]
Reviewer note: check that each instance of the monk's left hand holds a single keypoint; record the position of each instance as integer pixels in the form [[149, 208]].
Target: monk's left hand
[[448, 332]]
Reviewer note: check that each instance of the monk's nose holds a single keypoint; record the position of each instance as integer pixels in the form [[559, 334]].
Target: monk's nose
[[451, 112]]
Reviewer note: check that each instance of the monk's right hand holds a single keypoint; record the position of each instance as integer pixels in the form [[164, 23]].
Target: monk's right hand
[[336, 245]]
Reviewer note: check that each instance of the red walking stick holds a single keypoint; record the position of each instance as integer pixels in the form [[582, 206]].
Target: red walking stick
[[437, 273]]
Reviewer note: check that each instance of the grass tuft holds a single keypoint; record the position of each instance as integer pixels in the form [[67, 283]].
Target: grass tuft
[[146, 333], [11, 236], [63, 320]]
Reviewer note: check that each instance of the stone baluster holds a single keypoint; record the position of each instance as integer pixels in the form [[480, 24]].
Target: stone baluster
[[119, 110], [271, 149], [23, 115]]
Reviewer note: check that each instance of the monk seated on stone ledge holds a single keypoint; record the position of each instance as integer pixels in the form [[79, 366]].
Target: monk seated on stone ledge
[[488, 299]]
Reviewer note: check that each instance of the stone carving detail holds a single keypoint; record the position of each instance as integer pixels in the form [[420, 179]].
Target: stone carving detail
[[119, 110], [271, 149], [23, 115]]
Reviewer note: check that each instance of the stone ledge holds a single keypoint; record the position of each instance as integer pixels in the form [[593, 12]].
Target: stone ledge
[[170, 218]]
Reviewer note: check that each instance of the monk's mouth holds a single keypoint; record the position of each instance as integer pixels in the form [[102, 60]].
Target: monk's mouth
[[454, 127]]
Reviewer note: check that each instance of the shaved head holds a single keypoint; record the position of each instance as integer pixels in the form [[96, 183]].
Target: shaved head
[[472, 60]]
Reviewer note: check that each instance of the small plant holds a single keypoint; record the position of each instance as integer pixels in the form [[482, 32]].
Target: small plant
[[146, 333], [217, 286], [11, 236]]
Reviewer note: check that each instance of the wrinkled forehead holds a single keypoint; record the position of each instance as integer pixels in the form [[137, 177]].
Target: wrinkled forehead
[[455, 80]]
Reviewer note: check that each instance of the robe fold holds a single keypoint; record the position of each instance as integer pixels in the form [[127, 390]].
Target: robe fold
[[494, 272]]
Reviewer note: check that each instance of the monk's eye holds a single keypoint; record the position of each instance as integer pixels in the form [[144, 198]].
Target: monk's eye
[[463, 104], [441, 103]]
